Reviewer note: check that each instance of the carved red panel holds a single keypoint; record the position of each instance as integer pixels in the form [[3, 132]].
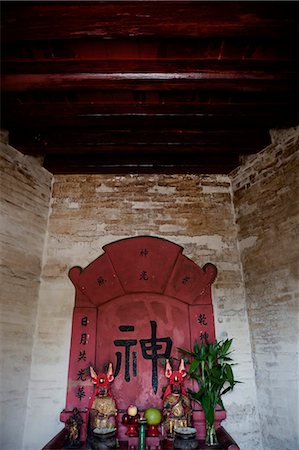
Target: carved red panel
[[190, 283], [99, 281], [81, 354], [135, 305], [202, 323], [143, 264], [143, 326]]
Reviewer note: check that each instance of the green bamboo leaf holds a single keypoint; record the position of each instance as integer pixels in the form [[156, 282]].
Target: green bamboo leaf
[[211, 368], [226, 346], [229, 388], [194, 365], [220, 403], [206, 404], [216, 381], [196, 347], [202, 351], [195, 395], [229, 374]]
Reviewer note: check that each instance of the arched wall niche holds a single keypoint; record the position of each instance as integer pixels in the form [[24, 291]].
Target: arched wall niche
[[134, 305]]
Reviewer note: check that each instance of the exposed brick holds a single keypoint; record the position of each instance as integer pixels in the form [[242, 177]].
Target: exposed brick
[[25, 197], [266, 203]]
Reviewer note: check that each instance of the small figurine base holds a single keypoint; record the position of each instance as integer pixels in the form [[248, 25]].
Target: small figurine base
[[102, 441], [185, 438], [185, 444]]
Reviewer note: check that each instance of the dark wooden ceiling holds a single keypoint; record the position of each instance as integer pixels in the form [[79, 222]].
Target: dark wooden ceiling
[[147, 86]]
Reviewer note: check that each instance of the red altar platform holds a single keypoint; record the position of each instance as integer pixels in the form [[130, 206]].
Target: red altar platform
[[134, 306]]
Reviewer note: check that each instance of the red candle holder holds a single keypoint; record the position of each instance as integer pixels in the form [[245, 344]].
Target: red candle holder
[[152, 430], [131, 422], [132, 429]]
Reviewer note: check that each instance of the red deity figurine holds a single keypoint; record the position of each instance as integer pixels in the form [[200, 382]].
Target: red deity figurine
[[103, 407], [177, 410]]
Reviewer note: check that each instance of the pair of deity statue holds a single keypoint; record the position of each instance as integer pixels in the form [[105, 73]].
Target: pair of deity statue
[[177, 410], [103, 407]]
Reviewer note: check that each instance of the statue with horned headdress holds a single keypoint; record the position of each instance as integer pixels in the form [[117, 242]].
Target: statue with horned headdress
[[177, 410], [103, 407]]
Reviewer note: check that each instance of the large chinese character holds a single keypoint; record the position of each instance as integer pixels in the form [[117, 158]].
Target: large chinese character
[[127, 343], [150, 350]]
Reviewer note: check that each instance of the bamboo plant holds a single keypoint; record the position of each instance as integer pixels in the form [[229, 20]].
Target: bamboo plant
[[211, 368]]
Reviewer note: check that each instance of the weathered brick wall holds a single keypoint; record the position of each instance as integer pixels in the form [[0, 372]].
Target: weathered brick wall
[[25, 196], [88, 212], [266, 202]]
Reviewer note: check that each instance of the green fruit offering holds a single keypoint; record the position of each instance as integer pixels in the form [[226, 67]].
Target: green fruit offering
[[153, 416]]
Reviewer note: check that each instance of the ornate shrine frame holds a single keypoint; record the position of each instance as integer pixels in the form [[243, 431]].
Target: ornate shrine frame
[[149, 275]]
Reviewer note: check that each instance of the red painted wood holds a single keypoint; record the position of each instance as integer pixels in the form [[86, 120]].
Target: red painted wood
[[140, 289], [74, 65], [143, 264], [57, 442], [137, 310], [232, 81], [245, 52], [190, 283], [229, 68], [136, 325], [80, 297], [61, 137], [202, 327], [99, 281], [54, 20], [157, 116], [82, 354], [98, 163], [242, 51]]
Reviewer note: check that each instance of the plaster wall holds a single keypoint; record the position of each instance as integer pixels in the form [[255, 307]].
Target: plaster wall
[[88, 212], [266, 201], [25, 196]]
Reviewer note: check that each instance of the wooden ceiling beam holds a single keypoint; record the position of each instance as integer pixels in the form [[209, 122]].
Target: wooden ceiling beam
[[229, 81], [228, 68], [151, 49], [100, 111], [140, 149], [245, 123], [211, 117], [139, 86], [179, 163], [57, 137], [57, 20]]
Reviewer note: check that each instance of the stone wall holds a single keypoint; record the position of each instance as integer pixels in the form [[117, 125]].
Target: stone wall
[[266, 202], [88, 212], [25, 195]]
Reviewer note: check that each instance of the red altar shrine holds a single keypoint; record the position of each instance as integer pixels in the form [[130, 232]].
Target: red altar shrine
[[134, 306]]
